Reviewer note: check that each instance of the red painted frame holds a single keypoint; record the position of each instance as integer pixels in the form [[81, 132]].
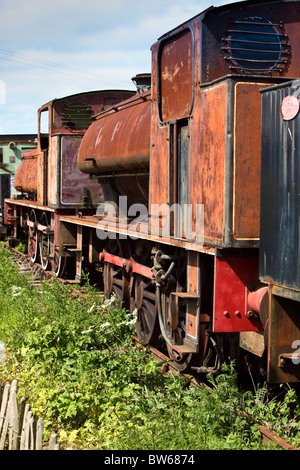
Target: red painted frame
[[233, 281]]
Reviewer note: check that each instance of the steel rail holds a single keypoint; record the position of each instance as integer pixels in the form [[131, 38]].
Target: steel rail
[[268, 436]]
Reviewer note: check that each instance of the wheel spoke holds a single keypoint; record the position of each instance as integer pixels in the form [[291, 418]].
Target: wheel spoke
[[58, 264], [144, 300], [117, 282], [115, 278], [44, 244], [32, 236]]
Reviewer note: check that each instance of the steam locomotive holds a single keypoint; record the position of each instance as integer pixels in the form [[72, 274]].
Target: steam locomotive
[[184, 195]]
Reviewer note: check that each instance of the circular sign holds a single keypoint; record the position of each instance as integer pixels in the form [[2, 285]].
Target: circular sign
[[290, 108]]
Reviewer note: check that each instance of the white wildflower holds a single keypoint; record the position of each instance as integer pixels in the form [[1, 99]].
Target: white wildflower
[[110, 301], [104, 325], [16, 291], [84, 332], [134, 314], [91, 309], [133, 321]]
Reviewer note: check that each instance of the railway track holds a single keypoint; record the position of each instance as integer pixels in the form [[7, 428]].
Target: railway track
[[268, 436], [36, 274]]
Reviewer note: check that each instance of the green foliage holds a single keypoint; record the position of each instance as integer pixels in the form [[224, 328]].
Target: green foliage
[[73, 357], [22, 247]]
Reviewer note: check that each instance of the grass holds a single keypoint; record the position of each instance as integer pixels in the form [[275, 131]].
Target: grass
[[74, 360]]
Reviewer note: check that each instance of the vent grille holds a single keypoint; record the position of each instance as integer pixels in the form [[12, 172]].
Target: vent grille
[[256, 45], [77, 116]]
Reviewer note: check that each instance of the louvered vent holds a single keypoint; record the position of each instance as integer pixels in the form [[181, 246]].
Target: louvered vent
[[77, 116], [256, 45]]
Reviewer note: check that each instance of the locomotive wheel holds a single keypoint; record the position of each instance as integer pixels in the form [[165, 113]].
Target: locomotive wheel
[[173, 311], [33, 236], [58, 264], [173, 317], [115, 278], [44, 244], [144, 300], [182, 361]]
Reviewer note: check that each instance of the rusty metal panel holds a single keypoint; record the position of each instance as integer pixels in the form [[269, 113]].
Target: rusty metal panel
[[280, 183], [176, 76], [225, 160], [159, 173], [247, 131], [42, 177], [159, 162], [26, 174], [207, 165], [119, 140], [283, 340], [135, 187], [52, 171], [75, 187]]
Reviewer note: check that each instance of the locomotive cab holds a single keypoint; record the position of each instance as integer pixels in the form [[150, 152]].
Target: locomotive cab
[[50, 175]]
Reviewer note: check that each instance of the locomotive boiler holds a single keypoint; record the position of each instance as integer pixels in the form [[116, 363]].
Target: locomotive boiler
[[197, 225]]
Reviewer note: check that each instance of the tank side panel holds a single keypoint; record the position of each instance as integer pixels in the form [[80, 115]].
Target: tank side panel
[[207, 161], [247, 131], [159, 162]]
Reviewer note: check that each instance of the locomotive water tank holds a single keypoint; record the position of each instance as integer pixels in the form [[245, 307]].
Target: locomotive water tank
[[117, 146]]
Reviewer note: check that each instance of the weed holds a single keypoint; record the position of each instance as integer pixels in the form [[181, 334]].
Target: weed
[[73, 357]]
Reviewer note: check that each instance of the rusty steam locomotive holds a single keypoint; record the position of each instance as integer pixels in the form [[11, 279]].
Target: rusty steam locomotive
[[184, 195]]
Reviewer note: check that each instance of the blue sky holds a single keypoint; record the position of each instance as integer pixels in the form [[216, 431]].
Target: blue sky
[[53, 48]]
